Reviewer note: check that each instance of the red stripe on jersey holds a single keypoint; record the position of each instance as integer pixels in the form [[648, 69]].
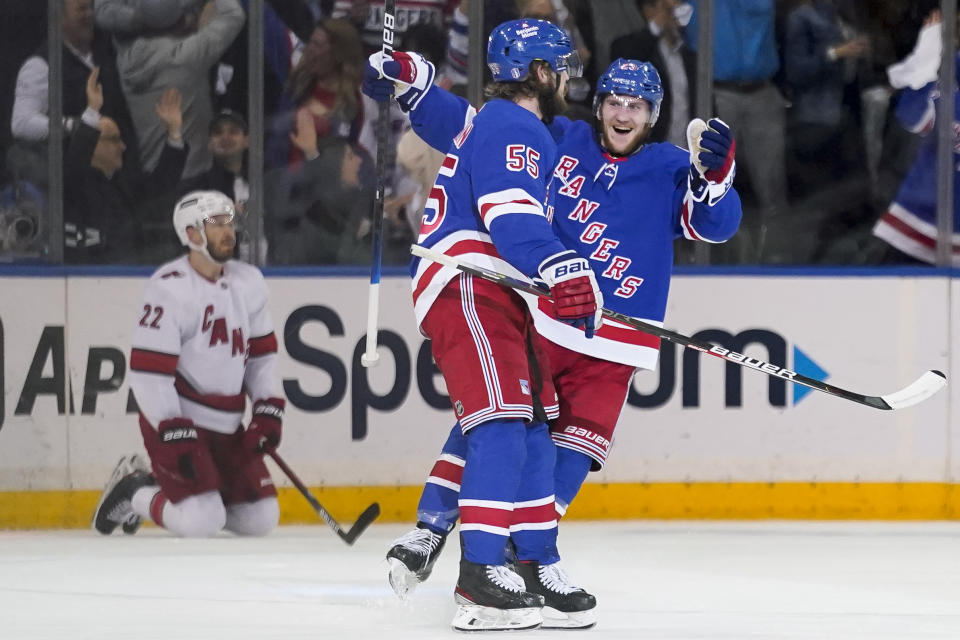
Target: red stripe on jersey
[[460, 248], [912, 233], [153, 361], [231, 404], [541, 513], [486, 207], [486, 515], [263, 345], [611, 158], [685, 219], [447, 471], [625, 335]]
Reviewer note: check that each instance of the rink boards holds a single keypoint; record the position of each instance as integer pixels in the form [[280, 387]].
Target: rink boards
[[697, 439]]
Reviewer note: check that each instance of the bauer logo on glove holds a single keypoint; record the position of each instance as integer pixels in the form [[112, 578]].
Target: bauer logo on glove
[[178, 433], [577, 300]]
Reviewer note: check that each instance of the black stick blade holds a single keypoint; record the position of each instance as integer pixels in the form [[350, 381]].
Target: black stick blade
[[363, 521]]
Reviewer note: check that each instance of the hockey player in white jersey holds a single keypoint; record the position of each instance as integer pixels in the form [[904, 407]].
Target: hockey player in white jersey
[[203, 340], [620, 202]]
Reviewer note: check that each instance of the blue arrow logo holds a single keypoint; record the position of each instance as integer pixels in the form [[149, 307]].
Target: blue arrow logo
[[805, 366]]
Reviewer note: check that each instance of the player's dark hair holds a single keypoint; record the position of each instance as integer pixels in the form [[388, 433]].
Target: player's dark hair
[[529, 87]]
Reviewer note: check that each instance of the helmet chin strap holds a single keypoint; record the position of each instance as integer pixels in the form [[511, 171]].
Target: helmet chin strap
[[202, 248]]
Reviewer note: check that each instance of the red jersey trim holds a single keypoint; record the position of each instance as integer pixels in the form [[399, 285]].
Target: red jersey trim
[[231, 404], [460, 248], [263, 345], [686, 218], [153, 361], [912, 233], [541, 513], [625, 335], [447, 471], [489, 516]]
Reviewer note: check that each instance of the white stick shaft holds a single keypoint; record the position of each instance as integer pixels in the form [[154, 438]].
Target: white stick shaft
[[370, 356]]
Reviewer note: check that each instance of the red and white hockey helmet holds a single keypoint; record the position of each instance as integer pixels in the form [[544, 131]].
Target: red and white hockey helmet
[[196, 208]]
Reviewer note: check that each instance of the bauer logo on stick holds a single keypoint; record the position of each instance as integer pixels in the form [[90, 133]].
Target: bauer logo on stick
[[388, 33]]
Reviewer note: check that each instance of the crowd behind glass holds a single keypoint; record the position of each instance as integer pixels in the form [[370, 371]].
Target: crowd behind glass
[[155, 103]]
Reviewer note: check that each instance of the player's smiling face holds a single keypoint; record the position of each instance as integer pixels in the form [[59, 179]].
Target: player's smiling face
[[624, 123]]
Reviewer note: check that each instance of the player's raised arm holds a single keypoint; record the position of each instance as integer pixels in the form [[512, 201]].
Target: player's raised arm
[[436, 114], [707, 206]]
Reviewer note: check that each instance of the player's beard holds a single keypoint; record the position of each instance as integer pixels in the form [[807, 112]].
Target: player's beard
[[223, 252], [639, 138], [551, 102]]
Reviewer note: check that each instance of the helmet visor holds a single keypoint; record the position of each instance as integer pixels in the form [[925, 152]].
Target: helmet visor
[[221, 217], [570, 63]]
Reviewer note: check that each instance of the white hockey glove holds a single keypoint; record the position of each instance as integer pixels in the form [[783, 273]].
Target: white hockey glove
[[712, 165], [405, 74], [921, 67], [576, 297]]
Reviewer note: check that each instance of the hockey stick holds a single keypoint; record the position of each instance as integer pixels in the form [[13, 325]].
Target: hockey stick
[[370, 357], [363, 520], [918, 391]]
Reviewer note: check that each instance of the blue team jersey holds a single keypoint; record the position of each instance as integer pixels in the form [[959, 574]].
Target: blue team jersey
[[622, 214], [910, 222], [486, 206]]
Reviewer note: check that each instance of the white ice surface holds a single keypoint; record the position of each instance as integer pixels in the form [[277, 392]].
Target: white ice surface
[[653, 580]]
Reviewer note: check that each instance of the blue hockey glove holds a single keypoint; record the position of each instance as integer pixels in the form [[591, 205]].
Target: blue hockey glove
[[577, 300], [712, 165], [375, 85], [405, 74]]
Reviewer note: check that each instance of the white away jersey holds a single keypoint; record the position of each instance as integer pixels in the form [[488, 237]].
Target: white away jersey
[[199, 345]]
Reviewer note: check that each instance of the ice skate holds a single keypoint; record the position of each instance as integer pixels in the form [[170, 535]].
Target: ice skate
[[566, 606], [411, 559], [132, 524], [114, 507], [493, 598]]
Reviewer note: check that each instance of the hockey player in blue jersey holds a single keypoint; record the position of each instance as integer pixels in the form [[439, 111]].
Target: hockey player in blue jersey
[[910, 222], [619, 202], [487, 207]]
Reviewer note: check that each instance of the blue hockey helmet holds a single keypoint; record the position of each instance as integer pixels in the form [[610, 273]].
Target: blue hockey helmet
[[516, 43], [631, 78]]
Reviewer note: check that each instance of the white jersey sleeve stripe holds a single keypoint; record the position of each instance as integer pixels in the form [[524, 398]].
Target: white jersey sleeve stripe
[[493, 205], [686, 221]]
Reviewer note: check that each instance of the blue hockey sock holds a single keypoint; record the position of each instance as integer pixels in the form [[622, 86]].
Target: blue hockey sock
[[534, 530], [438, 509], [495, 456], [569, 473]]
